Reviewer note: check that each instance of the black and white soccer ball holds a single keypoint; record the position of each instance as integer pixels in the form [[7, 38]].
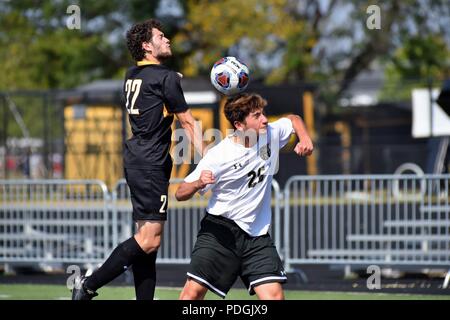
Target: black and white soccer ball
[[230, 76]]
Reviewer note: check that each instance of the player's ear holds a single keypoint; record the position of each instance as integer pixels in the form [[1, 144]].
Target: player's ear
[[238, 125], [147, 46]]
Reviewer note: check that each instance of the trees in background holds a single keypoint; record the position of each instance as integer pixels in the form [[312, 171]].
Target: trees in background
[[282, 40], [290, 40], [39, 51]]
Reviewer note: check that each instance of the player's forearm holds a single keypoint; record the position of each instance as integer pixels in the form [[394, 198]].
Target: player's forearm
[[195, 136], [299, 126], [193, 131], [186, 190]]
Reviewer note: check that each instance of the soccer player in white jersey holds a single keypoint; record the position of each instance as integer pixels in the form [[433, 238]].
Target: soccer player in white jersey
[[233, 239]]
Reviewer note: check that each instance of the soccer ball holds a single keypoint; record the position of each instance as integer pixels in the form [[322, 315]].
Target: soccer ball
[[230, 76]]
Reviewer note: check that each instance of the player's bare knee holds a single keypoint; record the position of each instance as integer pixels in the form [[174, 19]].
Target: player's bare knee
[[149, 237], [191, 294], [274, 295], [151, 245], [148, 244], [277, 296], [193, 291], [187, 295]]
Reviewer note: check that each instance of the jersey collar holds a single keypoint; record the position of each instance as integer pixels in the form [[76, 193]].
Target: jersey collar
[[145, 62]]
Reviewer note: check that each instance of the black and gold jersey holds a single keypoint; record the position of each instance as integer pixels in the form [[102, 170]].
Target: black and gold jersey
[[152, 94]]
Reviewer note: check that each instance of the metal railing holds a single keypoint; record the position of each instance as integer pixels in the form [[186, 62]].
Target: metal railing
[[380, 219], [54, 221], [348, 220]]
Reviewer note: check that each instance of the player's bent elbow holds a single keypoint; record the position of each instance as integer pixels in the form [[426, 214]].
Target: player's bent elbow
[[180, 195], [293, 116]]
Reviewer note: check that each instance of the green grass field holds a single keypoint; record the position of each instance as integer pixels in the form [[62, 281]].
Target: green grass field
[[57, 292]]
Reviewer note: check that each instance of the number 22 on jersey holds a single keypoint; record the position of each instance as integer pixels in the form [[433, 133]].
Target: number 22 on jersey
[[132, 85]]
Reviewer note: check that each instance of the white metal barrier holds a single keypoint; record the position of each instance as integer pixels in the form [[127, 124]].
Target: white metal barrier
[[45, 221], [378, 219], [349, 220]]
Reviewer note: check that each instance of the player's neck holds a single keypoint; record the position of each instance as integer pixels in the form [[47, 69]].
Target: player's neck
[[151, 59]]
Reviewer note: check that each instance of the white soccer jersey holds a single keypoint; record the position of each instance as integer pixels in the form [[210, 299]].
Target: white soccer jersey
[[242, 191]]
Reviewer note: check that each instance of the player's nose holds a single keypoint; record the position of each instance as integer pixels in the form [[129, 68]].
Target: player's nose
[[264, 120]]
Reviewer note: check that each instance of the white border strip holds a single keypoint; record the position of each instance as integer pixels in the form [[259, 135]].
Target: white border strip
[[264, 279], [200, 97], [207, 283]]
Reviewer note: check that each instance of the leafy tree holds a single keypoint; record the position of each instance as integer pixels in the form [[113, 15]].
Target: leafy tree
[[39, 51], [253, 30], [418, 63], [283, 40], [289, 40]]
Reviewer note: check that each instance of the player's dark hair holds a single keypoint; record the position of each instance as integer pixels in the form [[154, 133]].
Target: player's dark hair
[[237, 108], [139, 33]]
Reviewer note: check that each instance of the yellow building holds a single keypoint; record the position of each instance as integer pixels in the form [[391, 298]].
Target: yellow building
[[93, 141]]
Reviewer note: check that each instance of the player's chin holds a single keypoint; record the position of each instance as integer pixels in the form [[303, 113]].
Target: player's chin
[[165, 55]]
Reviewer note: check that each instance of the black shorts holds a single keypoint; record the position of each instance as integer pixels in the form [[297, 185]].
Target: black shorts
[[149, 192], [223, 251]]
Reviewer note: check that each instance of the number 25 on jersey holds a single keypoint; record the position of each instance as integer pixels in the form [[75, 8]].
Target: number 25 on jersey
[[132, 85]]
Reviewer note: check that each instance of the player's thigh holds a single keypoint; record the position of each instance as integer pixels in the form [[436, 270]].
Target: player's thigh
[[150, 228], [269, 291]]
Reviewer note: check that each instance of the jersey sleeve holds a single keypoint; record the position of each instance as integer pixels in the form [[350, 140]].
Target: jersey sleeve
[[204, 164], [283, 128], [173, 93]]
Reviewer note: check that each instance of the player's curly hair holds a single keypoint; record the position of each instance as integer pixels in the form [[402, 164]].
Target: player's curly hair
[[139, 33], [237, 108]]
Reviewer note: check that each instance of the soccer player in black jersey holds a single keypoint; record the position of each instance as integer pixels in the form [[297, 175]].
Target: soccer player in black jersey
[[153, 95]]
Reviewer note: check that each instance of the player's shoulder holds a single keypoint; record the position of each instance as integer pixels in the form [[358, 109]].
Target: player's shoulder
[[149, 71], [216, 152], [280, 123], [173, 75], [156, 70]]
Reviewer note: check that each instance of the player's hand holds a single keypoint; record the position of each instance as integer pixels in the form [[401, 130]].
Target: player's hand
[[304, 147], [206, 177]]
